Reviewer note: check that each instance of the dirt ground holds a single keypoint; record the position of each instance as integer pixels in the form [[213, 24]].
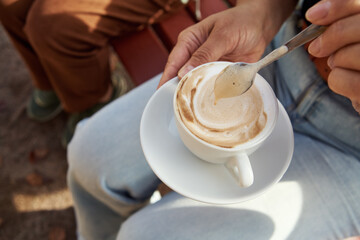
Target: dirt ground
[[35, 203], [34, 200]]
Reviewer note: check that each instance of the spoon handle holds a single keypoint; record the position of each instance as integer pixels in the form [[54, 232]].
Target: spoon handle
[[299, 39], [305, 36]]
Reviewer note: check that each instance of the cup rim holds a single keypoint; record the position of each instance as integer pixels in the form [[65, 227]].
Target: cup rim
[[258, 139]]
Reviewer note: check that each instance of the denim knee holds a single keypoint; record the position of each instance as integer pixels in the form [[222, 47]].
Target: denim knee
[[80, 157]]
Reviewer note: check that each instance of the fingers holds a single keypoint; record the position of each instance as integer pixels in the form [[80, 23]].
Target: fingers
[[188, 42], [356, 106], [218, 42], [196, 55], [347, 57], [341, 42], [177, 58], [196, 45], [345, 82], [328, 11], [208, 52], [353, 238], [338, 35]]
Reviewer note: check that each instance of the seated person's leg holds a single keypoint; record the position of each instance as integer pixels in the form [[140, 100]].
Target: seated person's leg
[[318, 198], [71, 38], [108, 175]]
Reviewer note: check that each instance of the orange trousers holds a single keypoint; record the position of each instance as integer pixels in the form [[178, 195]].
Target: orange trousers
[[65, 43]]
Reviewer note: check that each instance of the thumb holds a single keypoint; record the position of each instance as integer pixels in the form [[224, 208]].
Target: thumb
[[356, 106], [326, 12], [209, 51]]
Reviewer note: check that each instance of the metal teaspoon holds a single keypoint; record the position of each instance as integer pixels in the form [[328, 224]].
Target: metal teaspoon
[[237, 78]]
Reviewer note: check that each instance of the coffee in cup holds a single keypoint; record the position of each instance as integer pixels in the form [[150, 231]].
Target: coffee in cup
[[226, 122], [224, 130]]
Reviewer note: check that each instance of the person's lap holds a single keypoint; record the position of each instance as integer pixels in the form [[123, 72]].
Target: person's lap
[[317, 198]]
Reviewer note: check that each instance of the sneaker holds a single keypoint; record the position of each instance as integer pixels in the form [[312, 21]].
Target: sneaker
[[73, 120], [120, 87], [43, 105]]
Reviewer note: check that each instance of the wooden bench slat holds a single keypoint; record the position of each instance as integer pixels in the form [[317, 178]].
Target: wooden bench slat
[[142, 54], [169, 29]]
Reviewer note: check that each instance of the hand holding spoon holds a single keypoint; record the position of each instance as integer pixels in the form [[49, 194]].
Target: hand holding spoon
[[237, 78]]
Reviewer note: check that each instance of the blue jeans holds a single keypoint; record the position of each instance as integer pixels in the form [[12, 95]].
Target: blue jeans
[[318, 197]]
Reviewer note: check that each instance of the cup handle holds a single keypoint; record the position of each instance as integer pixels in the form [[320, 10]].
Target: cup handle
[[240, 168]]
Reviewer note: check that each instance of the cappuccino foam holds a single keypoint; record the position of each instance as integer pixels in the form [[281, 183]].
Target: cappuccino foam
[[226, 122]]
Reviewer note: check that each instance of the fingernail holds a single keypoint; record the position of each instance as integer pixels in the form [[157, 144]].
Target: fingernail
[[314, 48], [184, 70], [330, 62], [319, 11]]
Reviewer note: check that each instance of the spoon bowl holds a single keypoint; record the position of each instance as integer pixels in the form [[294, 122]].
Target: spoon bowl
[[227, 84], [237, 78]]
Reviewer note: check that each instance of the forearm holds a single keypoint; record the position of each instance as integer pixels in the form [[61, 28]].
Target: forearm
[[273, 13], [238, 34]]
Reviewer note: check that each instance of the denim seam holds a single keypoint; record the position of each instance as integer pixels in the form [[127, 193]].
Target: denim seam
[[310, 97]]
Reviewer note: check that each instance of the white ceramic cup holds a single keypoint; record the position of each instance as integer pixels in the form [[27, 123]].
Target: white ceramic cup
[[235, 159]]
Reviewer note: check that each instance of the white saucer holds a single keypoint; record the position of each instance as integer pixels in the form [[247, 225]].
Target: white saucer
[[186, 174]]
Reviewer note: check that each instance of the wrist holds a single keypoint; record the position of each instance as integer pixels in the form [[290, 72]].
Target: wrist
[[271, 13]]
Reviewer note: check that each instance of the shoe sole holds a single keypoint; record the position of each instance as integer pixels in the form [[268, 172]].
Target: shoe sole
[[49, 117]]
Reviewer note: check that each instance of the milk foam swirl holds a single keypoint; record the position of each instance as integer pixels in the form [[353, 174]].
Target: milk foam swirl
[[226, 123]]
